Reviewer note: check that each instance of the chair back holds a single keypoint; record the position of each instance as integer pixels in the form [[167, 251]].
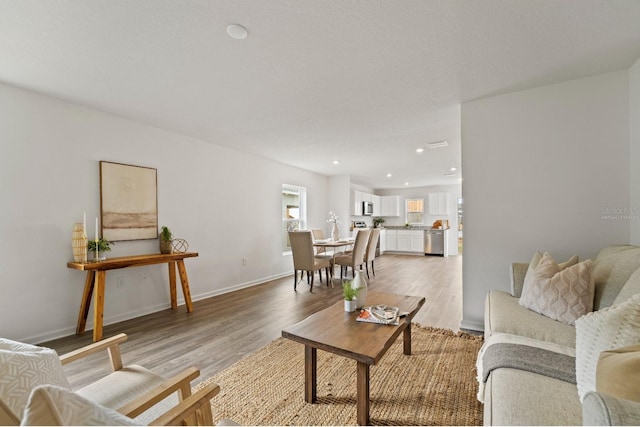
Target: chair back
[[318, 234], [302, 250], [360, 246], [370, 254]]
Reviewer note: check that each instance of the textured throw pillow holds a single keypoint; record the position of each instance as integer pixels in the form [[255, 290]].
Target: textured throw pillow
[[563, 295], [55, 406], [529, 276], [609, 328], [22, 368], [618, 373]]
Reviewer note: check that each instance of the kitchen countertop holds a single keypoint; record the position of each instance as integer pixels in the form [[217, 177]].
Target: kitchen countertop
[[412, 227]]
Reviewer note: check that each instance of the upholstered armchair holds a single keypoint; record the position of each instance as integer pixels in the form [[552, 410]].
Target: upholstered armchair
[[34, 390]]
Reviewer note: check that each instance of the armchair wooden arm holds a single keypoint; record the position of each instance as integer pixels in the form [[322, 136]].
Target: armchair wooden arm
[[198, 404], [112, 345], [180, 382]]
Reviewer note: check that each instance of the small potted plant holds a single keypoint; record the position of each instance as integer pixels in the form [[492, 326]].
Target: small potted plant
[[166, 237], [377, 221], [350, 294], [103, 245]]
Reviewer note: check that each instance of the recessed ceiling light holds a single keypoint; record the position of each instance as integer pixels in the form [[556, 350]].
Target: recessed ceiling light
[[335, 162], [438, 144], [406, 183], [419, 150], [237, 31], [454, 168], [389, 175]]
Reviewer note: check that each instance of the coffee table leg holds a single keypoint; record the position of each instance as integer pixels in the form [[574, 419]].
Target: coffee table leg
[[363, 394], [310, 376], [407, 339]]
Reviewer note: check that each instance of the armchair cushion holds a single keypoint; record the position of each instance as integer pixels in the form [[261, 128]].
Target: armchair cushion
[[24, 367], [122, 386], [600, 409], [55, 406]]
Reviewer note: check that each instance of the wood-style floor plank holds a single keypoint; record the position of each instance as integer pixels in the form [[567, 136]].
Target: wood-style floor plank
[[223, 329]]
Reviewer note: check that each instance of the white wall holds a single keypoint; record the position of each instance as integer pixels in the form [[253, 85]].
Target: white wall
[[339, 204], [634, 151], [539, 168], [225, 203]]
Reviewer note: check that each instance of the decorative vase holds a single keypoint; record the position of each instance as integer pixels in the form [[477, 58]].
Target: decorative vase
[[335, 232], [360, 283], [165, 246], [350, 306], [79, 242]]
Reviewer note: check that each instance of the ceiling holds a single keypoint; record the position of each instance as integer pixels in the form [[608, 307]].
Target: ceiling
[[365, 82]]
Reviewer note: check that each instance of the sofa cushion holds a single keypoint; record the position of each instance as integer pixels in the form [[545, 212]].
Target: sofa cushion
[[599, 409], [560, 294], [618, 373], [504, 314], [515, 397], [631, 288], [7, 417], [55, 406], [24, 367], [612, 327], [611, 270]]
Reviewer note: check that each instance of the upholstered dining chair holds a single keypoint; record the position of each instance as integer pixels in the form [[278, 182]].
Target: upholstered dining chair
[[355, 258], [370, 253], [304, 258]]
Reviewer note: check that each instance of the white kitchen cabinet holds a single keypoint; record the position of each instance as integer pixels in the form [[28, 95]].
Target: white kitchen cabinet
[[357, 203], [405, 240], [383, 241], [391, 239], [438, 204], [376, 205], [390, 206]]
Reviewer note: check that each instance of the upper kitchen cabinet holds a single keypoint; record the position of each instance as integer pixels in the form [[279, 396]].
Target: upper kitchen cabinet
[[389, 206], [438, 204], [377, 209]]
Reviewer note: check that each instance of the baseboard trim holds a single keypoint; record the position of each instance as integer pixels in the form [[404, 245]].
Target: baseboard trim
[[472, 326], [65, 332]]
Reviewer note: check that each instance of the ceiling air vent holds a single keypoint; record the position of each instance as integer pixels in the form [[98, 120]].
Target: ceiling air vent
[[438, 144]]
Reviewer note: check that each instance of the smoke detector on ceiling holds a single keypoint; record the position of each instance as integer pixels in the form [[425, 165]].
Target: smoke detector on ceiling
[[237, 31]]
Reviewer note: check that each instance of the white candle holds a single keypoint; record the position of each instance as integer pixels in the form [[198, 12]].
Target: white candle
[[97, 229], [84, 223]]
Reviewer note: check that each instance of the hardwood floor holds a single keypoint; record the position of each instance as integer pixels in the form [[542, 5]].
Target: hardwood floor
[[225, 328]]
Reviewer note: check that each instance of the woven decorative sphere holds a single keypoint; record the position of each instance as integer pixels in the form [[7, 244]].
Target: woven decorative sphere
[[180, 245]]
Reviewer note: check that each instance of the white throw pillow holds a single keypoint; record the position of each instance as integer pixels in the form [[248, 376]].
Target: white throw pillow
[[24, 367], [529, 279], [609, 328], [55, 406], [560, 294]]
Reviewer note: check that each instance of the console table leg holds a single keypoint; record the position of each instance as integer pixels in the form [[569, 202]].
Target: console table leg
[[98, 309], [172, 285], [407, 339], [86, 302], [310, 373], [184, 280], [363, 394]]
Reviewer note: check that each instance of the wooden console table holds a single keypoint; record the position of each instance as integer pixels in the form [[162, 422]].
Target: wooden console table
[[96, 278]]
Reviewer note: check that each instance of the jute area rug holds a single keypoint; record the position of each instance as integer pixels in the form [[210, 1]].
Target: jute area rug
[[435, 385]]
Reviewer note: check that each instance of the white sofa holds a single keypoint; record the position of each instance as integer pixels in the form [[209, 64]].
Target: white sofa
[[514, 396]]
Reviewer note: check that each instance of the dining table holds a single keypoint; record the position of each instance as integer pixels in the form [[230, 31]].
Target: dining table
[[334, 245]]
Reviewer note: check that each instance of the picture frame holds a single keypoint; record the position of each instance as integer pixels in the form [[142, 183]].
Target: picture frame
[[128, 202]]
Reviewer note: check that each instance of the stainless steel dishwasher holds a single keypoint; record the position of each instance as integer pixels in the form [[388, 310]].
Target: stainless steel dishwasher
[[434, 242]]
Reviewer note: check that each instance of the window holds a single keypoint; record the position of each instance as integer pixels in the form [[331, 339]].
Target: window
[[415, 210], [294, 213]]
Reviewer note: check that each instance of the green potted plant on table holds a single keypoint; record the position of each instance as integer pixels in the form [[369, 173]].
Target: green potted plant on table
[[166, 237], [377, 221], [350, 294], [103, 246]]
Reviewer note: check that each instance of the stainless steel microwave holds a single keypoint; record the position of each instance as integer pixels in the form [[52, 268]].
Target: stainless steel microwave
[[367, 208]]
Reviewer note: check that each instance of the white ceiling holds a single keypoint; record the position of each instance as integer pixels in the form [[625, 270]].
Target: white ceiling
[[362, 81]]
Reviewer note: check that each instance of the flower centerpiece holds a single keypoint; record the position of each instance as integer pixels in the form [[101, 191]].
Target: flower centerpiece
[[335, 231]]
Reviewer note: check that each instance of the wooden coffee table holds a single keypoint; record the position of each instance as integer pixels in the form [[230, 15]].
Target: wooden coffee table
[[337, 331]]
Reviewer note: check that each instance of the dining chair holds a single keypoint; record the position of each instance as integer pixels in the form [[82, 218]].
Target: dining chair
[[370, 253], [356, 256], [304, 258]]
